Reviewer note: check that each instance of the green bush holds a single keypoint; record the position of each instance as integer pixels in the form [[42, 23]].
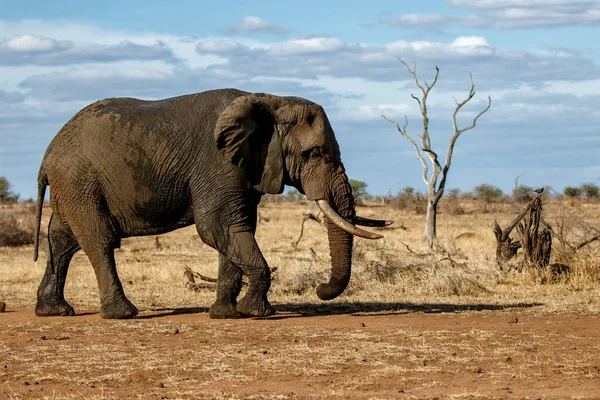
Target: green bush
[[573, 192], [487, 192], [590, 190], [359, 191]]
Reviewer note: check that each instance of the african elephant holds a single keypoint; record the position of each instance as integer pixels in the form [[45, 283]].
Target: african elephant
[[124, 167]]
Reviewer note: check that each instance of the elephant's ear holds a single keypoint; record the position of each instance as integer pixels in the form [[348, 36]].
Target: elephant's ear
[[247, 135]]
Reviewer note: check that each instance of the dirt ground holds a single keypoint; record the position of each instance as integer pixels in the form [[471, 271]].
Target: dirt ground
[[352, 351]]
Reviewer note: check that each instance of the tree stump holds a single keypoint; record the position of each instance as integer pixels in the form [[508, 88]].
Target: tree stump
[[506, 248], [536, 243]]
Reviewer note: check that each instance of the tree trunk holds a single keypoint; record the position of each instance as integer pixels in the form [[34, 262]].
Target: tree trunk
[[430, 220]]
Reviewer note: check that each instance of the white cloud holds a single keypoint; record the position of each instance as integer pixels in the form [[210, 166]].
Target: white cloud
[[219, 46], [471, 45], [254, 25], [461, 46], [34, 50], [506, 14], [373, 112], [517, 3], [307, 46], [416, 20], [30, 43]]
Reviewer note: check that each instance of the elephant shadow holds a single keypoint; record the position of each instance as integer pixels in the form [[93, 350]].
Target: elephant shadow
[[300, 310]]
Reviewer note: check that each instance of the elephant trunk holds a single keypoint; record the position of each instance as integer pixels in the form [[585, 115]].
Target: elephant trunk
[[340, 241], [340, 247]]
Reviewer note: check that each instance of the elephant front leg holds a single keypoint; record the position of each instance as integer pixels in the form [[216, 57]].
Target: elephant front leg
[[243, 253], [229, 285]]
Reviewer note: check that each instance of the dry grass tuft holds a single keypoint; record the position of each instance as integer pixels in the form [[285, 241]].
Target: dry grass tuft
[[17, 226], [302, 281]]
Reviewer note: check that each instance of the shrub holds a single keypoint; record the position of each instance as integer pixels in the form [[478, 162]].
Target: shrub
[[590, 190], [522, 194], [408, 198], [453, 194], [487, 192], [6, 193], [573, 192], [359, 191]]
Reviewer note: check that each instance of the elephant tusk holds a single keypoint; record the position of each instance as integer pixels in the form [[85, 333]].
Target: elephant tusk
[[335, 218], [377, 223]]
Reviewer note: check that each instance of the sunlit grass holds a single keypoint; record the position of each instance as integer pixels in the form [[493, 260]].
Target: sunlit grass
[[400, 268]]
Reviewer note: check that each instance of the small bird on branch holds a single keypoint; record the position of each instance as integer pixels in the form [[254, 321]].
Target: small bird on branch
[[539, 191]]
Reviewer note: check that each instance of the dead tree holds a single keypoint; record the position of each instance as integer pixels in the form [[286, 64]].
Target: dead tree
[[536, 243], [435, 189]]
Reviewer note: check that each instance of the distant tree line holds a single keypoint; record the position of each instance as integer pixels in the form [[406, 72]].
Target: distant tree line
[[484, 192]]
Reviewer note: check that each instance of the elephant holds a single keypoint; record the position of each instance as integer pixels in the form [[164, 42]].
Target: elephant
[[124, 167]]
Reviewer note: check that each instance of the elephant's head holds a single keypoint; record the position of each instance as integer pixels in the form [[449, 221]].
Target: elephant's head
[[288, 141]]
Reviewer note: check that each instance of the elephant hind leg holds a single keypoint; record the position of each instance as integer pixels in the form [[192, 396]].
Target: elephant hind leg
[[50, 294], [97, 239]]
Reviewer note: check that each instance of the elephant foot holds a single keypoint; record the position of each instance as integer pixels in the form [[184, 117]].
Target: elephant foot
[[120, 309], [255, 307], [224, 311], [51, 308]]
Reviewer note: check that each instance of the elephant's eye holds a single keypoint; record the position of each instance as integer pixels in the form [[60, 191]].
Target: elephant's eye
[[316, 152]]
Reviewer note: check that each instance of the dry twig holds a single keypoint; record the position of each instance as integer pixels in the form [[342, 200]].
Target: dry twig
[[308, 216]]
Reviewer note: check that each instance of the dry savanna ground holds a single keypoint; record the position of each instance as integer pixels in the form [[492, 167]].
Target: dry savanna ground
[[414, 323]]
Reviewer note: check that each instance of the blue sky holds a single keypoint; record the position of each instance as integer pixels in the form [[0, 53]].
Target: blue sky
[[538, 60]]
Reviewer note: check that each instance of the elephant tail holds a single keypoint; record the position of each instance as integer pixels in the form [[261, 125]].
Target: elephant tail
[[42, 183]]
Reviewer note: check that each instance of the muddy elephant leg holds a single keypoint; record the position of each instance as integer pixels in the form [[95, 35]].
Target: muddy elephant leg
[[244, 253], [50, 295], [229, 285], [113, 302], [98, 244]]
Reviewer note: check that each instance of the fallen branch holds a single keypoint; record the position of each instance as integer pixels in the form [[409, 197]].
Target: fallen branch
[[586, 242], [210, 283], [414, 252], [198, 286]]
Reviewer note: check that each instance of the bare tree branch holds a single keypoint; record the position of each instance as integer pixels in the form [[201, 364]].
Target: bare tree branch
[[412, 142], [458, 132]]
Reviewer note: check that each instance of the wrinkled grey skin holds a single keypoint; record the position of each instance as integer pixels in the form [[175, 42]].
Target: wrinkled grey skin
[[125, 167]]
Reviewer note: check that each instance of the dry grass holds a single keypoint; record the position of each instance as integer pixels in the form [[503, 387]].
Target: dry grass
[[361, 353], [17, 225], [460, 270]]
